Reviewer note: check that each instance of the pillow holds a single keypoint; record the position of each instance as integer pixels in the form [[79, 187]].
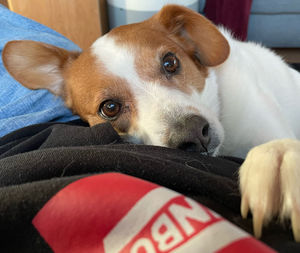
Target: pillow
[[19, 106]]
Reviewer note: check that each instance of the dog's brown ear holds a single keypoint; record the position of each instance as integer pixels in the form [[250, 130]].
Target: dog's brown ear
[[199, 37], [37, 65]]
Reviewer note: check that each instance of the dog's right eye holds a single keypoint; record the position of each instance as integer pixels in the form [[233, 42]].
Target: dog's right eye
[[170, 63], [109, 109]]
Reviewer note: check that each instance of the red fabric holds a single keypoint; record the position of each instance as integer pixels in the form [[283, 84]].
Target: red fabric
[[113, 212], [232, 14]]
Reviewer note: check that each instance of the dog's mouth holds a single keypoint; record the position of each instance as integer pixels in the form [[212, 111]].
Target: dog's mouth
[[189, 146], [192, 134]]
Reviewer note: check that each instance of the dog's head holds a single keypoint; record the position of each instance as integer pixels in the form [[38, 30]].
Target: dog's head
[[150, 80]]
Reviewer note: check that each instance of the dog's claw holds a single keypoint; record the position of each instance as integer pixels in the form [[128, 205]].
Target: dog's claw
[[244, 207], [258, 219], [296, 224]]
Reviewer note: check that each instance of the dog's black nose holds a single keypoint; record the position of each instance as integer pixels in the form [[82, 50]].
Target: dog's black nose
[[190, 134]]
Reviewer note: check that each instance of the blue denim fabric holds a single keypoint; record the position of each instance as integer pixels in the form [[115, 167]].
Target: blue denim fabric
[[19, 106]]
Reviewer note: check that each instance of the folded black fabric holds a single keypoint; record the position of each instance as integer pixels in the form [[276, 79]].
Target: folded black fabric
[[38, 161]]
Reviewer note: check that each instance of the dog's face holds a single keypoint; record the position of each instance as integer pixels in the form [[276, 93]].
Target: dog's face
[[150, 79]]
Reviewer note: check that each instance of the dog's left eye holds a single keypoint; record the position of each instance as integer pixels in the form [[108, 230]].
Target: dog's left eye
[[109, 109], [170, 63]]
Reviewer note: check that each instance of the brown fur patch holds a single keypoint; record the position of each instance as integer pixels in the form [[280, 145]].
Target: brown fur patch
[[149, 52], [88, 84], [200, 37]]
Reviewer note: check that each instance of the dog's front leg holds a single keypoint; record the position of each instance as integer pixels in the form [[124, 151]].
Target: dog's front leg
[[270, 184]]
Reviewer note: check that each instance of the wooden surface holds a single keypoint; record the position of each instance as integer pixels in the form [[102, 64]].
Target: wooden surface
[[78, 20], [103, 16], [4, 2]]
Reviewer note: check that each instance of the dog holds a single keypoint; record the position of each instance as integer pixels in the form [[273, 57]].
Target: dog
[[177, 80]]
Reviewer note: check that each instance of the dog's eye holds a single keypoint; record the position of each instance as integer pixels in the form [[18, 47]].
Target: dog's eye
[[109, 109], [170, 63]]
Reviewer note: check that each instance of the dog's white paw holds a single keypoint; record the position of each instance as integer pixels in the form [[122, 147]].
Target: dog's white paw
[[270, 184]]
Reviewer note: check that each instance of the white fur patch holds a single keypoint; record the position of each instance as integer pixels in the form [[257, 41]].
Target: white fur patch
[[259, 97]]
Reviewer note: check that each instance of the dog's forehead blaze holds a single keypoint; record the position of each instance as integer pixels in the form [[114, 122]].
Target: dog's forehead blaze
[[89, 84]]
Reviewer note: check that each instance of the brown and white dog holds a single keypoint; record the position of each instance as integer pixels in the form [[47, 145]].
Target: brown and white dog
[[176, 80]]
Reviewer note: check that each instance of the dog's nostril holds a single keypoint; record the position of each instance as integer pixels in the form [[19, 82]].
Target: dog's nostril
[[188, 146], [190, 134], [205, 130]]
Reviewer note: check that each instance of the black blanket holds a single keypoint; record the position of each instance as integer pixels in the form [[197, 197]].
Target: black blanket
[[38, 161]]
